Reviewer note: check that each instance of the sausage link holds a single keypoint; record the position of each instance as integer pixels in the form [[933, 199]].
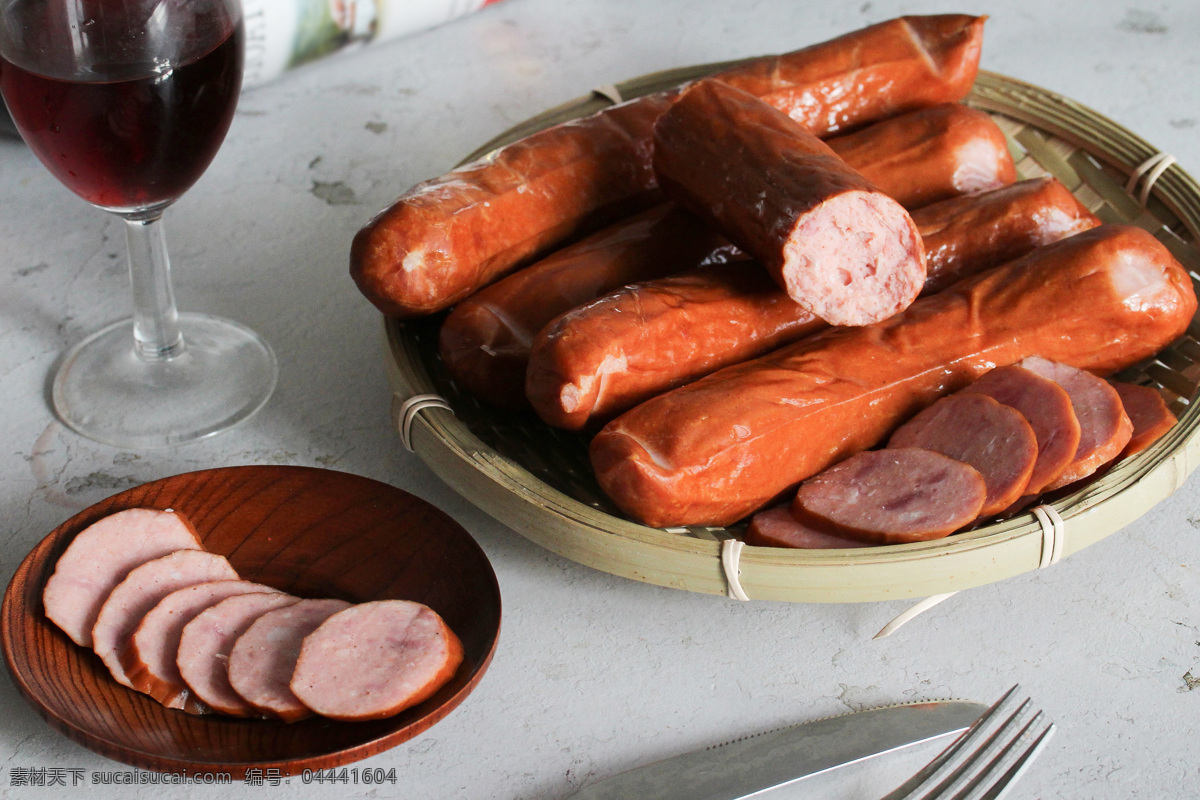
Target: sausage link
[[715, 450], [935, 154], [485, 340], [968, 234], [448, 236], [828, 236]]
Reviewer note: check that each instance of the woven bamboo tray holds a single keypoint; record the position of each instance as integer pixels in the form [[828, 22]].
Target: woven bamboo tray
[[538, 481]]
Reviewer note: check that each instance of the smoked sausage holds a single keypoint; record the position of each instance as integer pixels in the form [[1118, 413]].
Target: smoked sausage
[[930, 155], [713, 451], [375, 659], [974, 232], [830, 238], [484, 342], [448, 236], [776, 527], [101, 556], [142, 589]]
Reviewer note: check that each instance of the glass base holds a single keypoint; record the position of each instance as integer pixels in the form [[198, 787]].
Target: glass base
[[106, 392]]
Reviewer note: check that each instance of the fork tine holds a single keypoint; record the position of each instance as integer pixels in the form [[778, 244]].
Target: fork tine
[[1006, 781], [985, 761], [943, 768], [1008, 763]]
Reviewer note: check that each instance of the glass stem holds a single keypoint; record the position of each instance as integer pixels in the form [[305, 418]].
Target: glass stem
[[155, 318]]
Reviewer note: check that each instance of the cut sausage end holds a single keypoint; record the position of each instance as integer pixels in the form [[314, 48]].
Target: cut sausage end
[[856, 260]]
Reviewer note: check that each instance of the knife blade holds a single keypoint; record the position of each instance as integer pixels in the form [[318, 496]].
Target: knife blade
[[745, 767]]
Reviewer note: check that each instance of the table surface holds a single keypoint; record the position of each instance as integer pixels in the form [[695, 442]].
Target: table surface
[[593, 674]]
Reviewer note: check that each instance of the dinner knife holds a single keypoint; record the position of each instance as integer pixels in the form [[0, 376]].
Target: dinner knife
[[753, 764]]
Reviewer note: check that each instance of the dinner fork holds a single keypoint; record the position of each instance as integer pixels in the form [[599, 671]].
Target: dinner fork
[[988, 759]]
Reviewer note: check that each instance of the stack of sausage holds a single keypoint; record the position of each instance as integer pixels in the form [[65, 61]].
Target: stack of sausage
[[827, 187], [988, 449], [174, 621]]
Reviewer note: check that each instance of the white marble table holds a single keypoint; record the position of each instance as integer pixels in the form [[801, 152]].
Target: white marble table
[[593, 673]]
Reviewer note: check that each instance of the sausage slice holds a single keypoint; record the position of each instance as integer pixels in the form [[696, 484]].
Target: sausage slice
[[263, 658], [776, 527], [101, 556], [894, 495], [1104, 427], [375, 659], [141, 591], [836, 243], [1147, 412], [1047, 407], [205, 643], [975, 429], [150, 657]]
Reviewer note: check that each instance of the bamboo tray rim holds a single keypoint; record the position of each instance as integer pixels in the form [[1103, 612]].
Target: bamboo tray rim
[[672, 557]]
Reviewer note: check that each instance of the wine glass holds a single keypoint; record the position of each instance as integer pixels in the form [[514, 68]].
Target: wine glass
[[126, 102]]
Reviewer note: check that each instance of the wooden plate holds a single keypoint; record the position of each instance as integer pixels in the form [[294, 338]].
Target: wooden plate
[[539, 480], [311, 532]]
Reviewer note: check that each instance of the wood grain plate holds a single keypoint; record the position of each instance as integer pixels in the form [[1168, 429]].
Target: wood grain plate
[[311, 532]]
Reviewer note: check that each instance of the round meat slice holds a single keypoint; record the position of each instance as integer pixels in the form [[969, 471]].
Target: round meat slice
[[205, 643], [141, 591], [776, 527], [1148, 413], [100, 557], [149, 658], [975, 429], [263, 658], [890, 496], [1047, 407], [1104, 427], [375, 659]]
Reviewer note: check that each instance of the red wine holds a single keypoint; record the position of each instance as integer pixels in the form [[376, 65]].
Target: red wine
[[129, 143]]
